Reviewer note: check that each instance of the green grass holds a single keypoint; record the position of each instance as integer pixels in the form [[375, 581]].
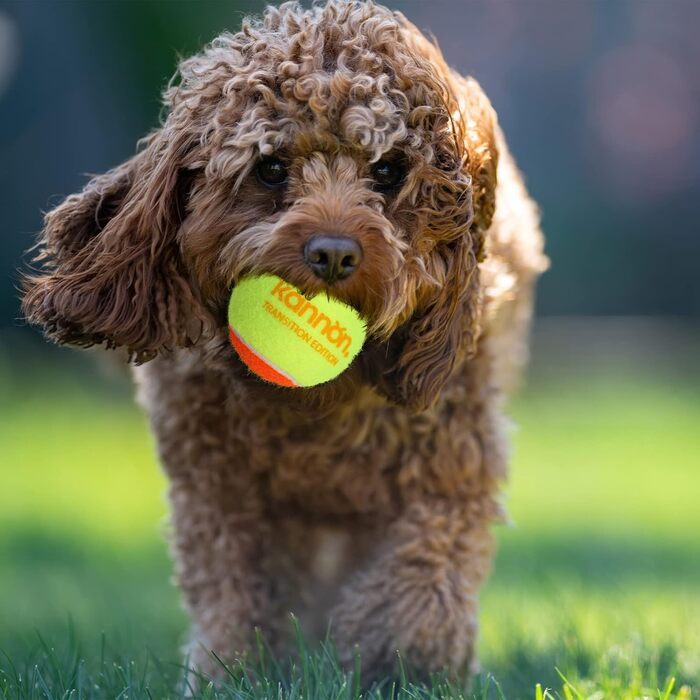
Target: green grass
[[595, 592]]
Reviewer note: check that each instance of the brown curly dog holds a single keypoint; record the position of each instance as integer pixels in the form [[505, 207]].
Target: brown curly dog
[[364, 503]]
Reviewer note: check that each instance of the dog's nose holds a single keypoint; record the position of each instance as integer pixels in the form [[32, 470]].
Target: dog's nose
[[332, 258]]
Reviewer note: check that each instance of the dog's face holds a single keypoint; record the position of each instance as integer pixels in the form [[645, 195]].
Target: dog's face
[[332, 147]]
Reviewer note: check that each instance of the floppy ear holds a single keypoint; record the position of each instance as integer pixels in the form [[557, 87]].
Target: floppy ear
[[448, 328], [111, 271]]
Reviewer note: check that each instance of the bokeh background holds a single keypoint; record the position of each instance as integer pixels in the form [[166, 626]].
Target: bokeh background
[[599, 575]]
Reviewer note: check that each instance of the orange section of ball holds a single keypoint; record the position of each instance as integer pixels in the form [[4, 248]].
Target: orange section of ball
[[256, 364]]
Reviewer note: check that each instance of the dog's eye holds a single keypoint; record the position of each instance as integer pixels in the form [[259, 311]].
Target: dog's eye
[[388, 174], [272, 172]]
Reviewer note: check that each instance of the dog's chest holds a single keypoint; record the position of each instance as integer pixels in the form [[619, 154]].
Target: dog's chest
[[345, 465]]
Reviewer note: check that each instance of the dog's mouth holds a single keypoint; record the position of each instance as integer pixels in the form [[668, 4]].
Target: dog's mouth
[[373, 369], [291, 336]]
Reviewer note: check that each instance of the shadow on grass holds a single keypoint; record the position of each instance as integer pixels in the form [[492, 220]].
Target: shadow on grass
[[595, 560], [55, 580]]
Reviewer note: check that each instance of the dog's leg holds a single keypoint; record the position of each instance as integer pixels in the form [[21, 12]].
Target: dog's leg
[[218, 544], [219, 530], [419, 594]]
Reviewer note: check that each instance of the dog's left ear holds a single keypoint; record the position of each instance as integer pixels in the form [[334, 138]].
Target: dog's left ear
[[111, 270], [448, 328]]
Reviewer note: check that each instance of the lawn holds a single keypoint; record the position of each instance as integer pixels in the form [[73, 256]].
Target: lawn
[[597, 579]]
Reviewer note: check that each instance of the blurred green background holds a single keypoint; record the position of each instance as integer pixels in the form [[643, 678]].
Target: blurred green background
[[599, 575]]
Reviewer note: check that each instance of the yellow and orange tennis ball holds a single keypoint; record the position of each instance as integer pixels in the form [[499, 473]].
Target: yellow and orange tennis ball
[[289, 340]]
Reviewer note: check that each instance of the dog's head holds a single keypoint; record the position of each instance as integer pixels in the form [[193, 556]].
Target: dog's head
[[332, 147]]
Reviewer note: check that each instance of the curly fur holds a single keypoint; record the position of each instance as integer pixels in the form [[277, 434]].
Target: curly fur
[[365, 502]]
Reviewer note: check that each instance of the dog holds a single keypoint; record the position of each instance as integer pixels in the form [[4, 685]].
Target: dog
[[362, 505]]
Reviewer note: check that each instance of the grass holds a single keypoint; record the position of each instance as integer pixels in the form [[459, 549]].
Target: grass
[[595, 593]]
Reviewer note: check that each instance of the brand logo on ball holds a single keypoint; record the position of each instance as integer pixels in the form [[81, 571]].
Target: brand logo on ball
[[289, 339], [332, 330]]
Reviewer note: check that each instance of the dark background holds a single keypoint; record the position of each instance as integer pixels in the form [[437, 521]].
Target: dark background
[[600, 102]]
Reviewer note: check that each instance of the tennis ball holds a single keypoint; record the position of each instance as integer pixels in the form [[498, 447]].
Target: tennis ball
[[287, 339]]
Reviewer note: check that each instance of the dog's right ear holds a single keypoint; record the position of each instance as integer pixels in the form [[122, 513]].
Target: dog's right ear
[[111, 270]]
